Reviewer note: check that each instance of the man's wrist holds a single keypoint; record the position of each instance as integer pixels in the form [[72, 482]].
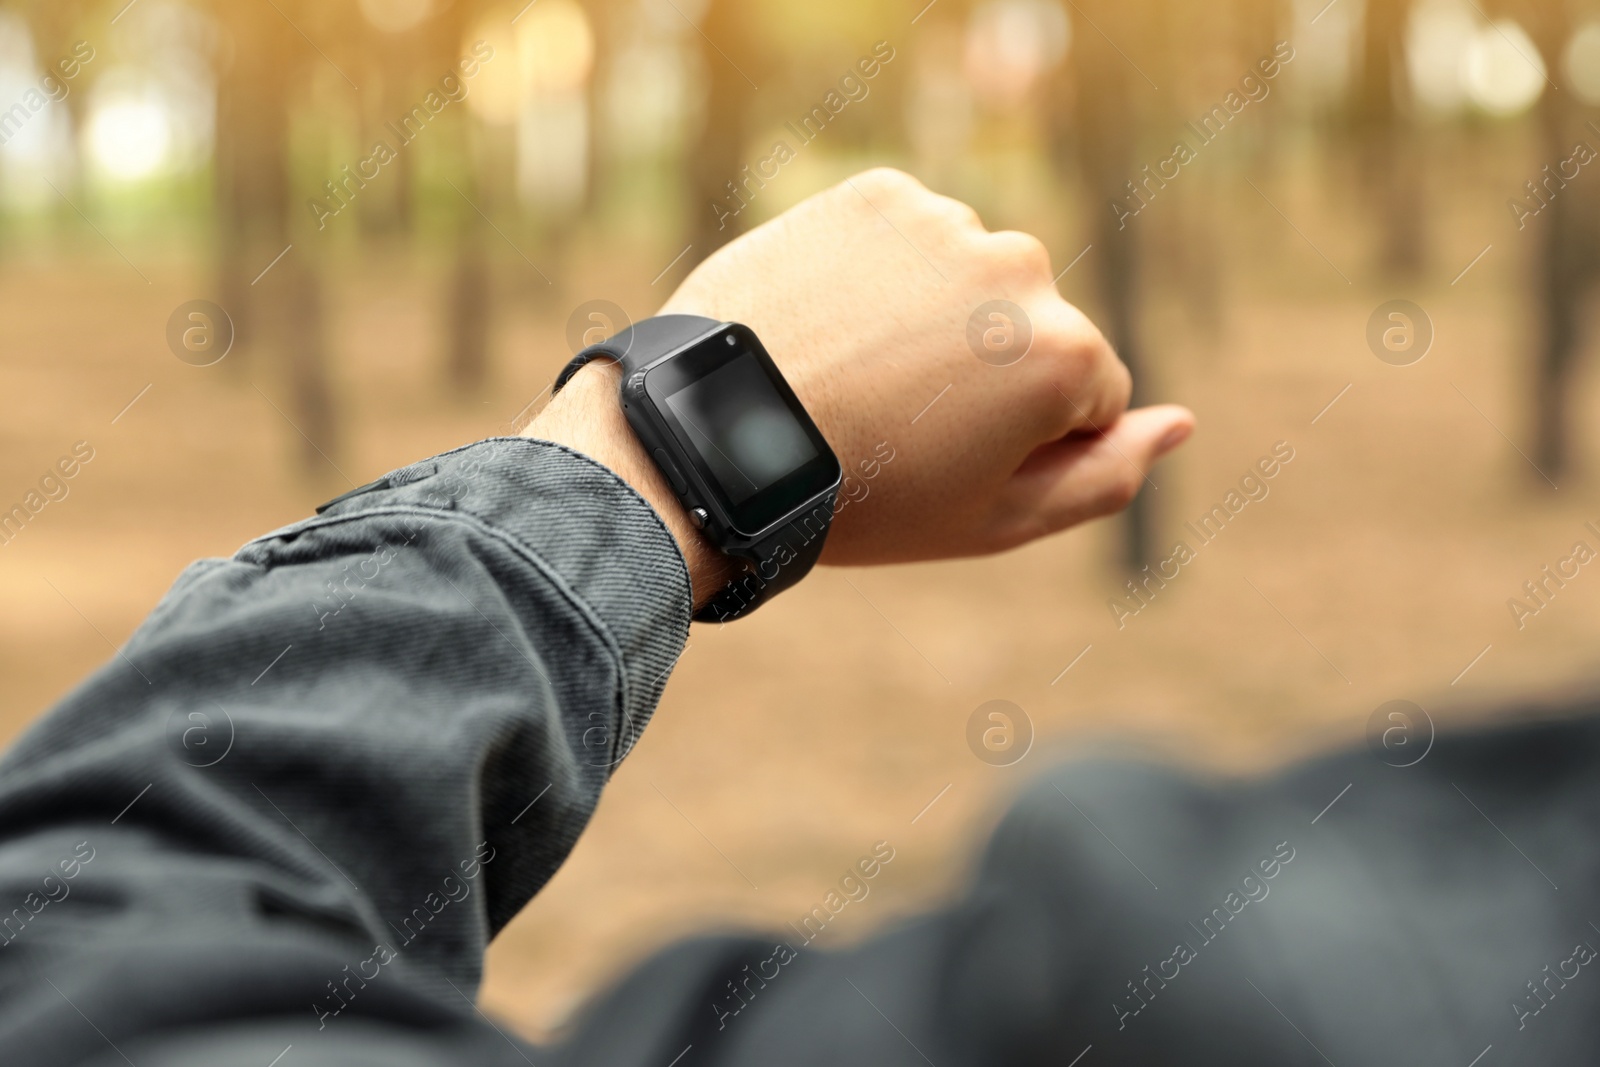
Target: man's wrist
[[587, 417]]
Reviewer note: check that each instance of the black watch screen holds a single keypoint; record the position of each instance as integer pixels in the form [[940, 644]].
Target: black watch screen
[[740, 427]]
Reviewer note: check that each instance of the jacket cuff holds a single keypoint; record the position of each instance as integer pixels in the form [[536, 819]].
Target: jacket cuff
[[598, 540]]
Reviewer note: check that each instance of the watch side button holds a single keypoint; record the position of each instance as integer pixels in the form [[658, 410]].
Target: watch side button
[[670, 469], [699, 516]]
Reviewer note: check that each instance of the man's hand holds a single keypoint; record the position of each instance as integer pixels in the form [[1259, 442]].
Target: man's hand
[[863, 295]]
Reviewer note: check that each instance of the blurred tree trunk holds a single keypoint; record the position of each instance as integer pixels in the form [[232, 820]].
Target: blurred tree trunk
[[250, 119], [604, 19], [1569, 229], [471, 302], [1562, 278], [398, 67], [56, 26], [298, 296], [238, 176], [714, 160], [1100, 84], [468, 293], [256, 208], [1384, 140], [1188, 228]]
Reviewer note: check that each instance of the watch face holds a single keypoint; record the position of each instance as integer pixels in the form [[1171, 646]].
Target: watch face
[[739, 425]]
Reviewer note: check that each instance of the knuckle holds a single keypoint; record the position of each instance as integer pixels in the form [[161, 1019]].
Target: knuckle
[[889, 182], [1125, 486], [1083, 368], [1122, 384], [1021, 253], [958, 212], [1107, 392], [1074, 344], [896, 186]]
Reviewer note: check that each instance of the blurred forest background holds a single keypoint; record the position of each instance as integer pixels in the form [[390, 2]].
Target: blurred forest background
[[161, 152]]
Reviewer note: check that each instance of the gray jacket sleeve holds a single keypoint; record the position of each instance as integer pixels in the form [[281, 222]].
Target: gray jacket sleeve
[[296, 806]]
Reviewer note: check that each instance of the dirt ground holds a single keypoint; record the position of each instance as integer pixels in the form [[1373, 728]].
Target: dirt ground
[[1378, 567]]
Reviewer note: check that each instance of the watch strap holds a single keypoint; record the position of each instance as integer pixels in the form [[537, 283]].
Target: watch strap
[[647, 339], [771, 565]]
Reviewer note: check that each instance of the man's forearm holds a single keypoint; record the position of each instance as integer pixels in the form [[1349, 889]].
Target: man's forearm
[[372, 735]]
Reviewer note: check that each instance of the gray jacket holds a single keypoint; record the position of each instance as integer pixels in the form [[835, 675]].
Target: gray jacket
[[281, 825]]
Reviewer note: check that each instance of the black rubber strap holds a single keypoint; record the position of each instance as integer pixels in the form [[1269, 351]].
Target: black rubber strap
[[776, 563], [773, 564], [643, 341]]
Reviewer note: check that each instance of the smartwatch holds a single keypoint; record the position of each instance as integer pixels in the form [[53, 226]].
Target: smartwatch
[[742, 455]]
